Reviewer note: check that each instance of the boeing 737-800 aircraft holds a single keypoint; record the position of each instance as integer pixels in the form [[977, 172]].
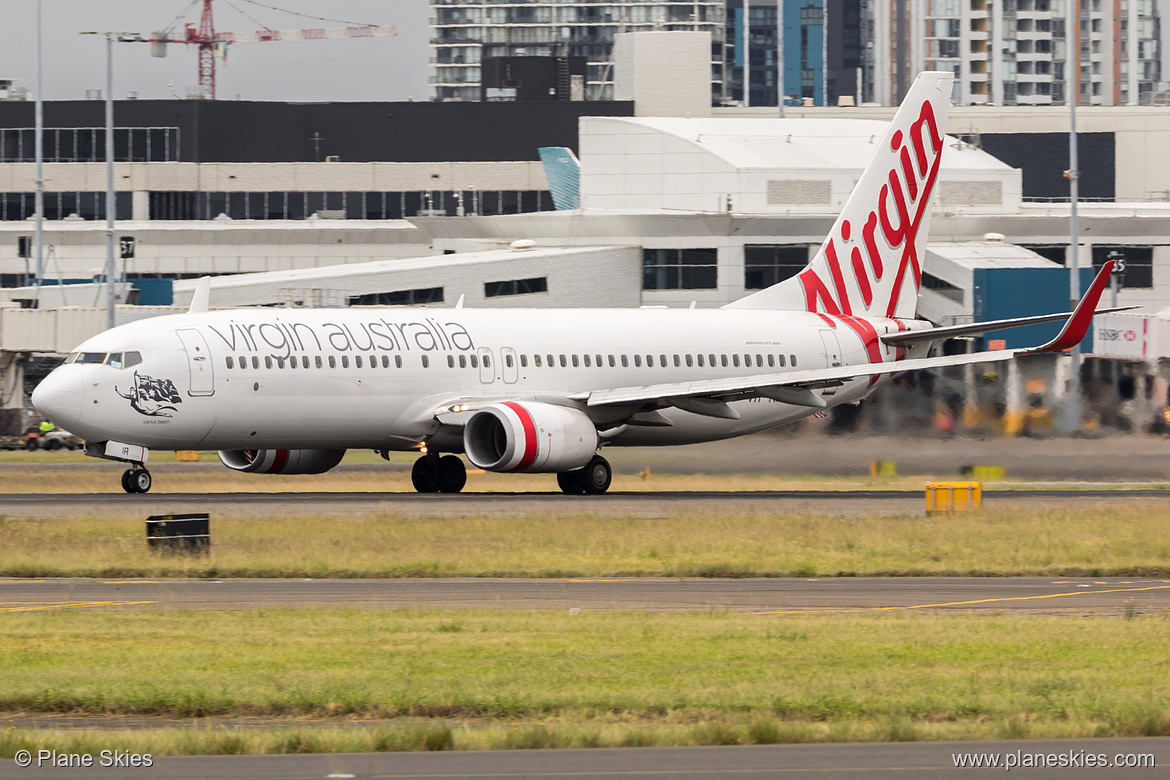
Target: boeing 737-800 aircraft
[[289, 391]]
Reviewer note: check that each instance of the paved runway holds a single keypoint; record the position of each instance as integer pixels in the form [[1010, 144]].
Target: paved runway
[[792, 762], [760, 597], [843, 501]]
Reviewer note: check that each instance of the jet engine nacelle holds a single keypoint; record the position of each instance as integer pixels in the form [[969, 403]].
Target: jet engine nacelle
[[281, 461], [529, 436]]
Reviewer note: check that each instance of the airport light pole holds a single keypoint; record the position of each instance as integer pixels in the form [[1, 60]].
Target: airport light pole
[[111, 302], [1073, 80], [39, 186]]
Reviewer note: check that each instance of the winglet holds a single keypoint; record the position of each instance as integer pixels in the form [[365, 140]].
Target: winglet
[[1078, 323], [202, 296]]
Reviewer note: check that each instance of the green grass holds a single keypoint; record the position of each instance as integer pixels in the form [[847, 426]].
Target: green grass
[[545, 679], [1126, 539]]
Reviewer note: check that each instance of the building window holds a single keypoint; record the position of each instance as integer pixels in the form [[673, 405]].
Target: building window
[[942, 287], [537, 284], [399, 297], [765, 265], [679, 269]]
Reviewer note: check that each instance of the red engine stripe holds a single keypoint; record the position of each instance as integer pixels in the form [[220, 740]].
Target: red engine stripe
[[279, 461], [529, 435]]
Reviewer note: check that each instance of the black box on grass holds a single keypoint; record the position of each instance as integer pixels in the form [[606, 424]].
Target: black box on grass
[[185, 534]]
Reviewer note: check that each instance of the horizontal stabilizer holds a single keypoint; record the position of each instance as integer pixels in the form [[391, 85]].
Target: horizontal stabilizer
[[977, 328]]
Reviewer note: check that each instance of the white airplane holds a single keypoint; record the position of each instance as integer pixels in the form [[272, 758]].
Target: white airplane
[[283, 391]]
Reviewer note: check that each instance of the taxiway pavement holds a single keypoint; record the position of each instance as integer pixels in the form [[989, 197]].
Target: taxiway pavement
[[760, 597]]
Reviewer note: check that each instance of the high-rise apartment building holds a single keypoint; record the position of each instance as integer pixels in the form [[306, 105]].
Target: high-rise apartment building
[[1016, 52], [467, 31]]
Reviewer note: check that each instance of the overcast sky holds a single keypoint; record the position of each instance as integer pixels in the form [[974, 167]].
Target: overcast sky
[[348, 69]]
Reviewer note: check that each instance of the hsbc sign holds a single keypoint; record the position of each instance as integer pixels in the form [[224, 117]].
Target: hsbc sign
[[1126, 336]]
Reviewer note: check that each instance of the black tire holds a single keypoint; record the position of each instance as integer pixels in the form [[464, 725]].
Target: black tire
[[424, 475], [596, 476], [126, 481], [52, 444], [140, 480], [31, 444], [570, 482], [452, 474]]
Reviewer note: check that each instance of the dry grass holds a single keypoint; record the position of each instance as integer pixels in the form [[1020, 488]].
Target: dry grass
[[1125, 539], [500, 679]]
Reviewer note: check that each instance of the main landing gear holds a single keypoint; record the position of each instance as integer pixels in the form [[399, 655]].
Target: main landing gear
[[136, 479], [592, 480], [435, 474]]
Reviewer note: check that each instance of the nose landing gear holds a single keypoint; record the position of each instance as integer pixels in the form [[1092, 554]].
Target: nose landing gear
[[136, 480]]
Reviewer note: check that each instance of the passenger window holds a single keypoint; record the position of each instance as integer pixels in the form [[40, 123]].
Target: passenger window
[[524, 361], [677, 362], [700, 359], [317, 360], [564, 362], [793, 359], [599, 361], [690, 361], [549, 360], [650, 361], [267, 361], [536, 360], [398, 361], [759, 360], [426, 363], [625, 362], [304, 361], [255, 362], [576, 362], [357, 361], [292, 362], [508, 361], [463, 361], [228, 359], [637, 361], [723, 360], [662, 360], [711, 359], [771, 361], [345, 361], [487, 361], [450, 361], [588, 364], [332, 362], [373, 361], [612, 364], [474, 362], [747, 360]]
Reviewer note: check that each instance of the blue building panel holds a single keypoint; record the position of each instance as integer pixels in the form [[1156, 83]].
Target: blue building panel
[[1003, 293]]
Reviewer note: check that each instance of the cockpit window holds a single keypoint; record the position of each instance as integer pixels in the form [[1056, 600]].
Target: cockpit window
[[114, 360], [131, 359], [73, 357], [93, 357]]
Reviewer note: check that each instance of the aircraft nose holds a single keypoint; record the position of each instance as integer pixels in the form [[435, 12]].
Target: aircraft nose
[[58, 396]]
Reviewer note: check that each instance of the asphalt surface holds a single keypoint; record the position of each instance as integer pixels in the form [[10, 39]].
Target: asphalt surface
[[761, 597], [844, 501], [792, 762]]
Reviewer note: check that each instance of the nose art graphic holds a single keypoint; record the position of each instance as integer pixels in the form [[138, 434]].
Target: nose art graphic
[[152, 397]]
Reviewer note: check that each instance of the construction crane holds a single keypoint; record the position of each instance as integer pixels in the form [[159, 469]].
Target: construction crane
[[213, 44]]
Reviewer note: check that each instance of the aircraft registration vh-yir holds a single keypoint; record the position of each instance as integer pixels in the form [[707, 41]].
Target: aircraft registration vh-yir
[[523, 390]]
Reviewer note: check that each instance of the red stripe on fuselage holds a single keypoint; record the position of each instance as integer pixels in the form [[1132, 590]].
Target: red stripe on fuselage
[[529, 435]]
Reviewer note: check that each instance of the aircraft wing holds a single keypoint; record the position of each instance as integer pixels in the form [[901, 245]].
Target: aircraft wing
[[710, 396]]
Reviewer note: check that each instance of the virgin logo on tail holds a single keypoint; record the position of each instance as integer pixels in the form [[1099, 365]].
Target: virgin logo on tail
[[892, 225]]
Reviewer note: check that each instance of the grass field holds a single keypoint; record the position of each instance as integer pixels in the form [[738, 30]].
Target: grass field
[[542, 679], [1126, 539]]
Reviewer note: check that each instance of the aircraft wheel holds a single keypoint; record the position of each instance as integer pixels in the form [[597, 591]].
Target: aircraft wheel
[[596, 476], [424, 475], [452, 474], [570, 482], [136, 481]]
